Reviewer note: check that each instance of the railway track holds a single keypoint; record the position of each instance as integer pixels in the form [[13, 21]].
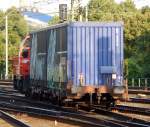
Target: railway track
[[74, 117], [12, 120], [140, 100], [6, 82], [55, 111], [139, 88], [11, 102], [120, 118], [139, 91], [66, 116], [131, 109], [136, 100]]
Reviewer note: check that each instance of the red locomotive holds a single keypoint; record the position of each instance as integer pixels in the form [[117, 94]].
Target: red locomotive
[[21, 65]]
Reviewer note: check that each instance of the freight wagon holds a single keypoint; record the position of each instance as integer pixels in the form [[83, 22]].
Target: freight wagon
[[77, 61]]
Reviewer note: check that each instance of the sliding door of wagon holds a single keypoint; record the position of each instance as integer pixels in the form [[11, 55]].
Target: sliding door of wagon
[[57, 58], [38, 59], [110, 59], [105, 56]]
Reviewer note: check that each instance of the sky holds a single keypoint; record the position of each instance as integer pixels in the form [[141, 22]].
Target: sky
[[4, 4]]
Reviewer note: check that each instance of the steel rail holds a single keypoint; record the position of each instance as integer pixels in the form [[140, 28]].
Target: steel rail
[[141, 100], [97, 110], [58, 108], [7, 83], [125, 120], [131, 109], [13, 121], [133, 91], [74, 117], [139, 88], [137, 100], [24, 101]]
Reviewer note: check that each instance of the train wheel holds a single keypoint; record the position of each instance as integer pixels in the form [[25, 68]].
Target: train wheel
[[21, 86], [24, 86], [15, 82], [112, 104], [17, 85], [107, 100], [28, 93]]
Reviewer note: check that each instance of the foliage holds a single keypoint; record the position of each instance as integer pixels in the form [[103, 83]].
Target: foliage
[[136, 32], [143, 50], [128, 6], [54, 20], [17, 29]]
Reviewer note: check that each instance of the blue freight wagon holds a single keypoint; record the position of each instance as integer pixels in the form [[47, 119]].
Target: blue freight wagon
[[77, 58]]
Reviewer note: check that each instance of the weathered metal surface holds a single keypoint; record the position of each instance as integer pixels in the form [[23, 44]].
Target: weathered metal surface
[[38, 56], [95, 51], [81, 53], [57, 56]]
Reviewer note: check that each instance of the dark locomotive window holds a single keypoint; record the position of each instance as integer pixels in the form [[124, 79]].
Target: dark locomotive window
[[25, 53]]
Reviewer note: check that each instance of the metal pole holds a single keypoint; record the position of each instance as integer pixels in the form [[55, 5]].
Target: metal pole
[[145, 83], [126, 89], [6, 30], [72, 10], [86, 13], [80, 13], [132, 82], [139, 82], [80, 18]]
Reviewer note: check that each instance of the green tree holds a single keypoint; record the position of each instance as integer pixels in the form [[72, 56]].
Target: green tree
[[54, 20], [17, 29], [17, 25], [101, 10], [136, 31], [128, 6], [145, 9]]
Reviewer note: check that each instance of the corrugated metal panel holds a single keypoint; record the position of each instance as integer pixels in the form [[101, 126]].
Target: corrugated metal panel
[[57, 56], [94, 50], [33, 56], [91, 46], [38, 66], [41, 42]]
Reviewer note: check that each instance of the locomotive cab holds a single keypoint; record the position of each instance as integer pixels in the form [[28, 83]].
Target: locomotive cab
[[25, 53]]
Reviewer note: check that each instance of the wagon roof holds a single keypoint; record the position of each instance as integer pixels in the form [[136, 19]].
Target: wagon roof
[[80, 24]]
